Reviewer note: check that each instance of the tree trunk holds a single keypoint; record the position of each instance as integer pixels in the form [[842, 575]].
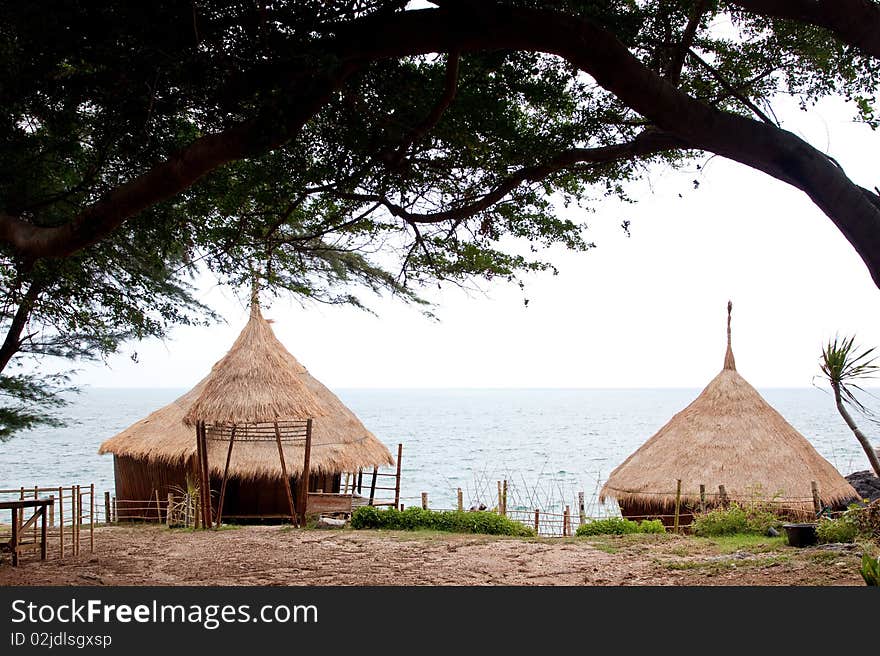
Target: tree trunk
[[12, 343], [860, 436]]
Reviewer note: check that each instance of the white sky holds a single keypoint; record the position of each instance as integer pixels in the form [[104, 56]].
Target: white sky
[[645, 311]]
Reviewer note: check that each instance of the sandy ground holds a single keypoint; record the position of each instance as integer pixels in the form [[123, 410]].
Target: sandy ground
[[273, 555]]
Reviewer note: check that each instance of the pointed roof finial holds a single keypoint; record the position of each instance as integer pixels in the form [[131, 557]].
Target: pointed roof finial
[[729, 362]]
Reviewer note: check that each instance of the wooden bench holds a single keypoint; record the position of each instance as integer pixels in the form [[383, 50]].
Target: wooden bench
[[15, 545]]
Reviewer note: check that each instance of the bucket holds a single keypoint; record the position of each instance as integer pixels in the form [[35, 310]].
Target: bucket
[[800, 535]]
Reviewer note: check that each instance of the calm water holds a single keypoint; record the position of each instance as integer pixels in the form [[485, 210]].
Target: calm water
[[548, 443]]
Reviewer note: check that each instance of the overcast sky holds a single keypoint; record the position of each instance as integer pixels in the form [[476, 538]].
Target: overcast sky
[[640, 311]]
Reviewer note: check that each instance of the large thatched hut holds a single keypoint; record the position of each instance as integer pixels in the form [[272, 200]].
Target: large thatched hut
[[728, 436], [257, 381]]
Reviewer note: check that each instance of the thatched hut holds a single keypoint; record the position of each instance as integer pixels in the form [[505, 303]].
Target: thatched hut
[[258, 381], [728, 436]]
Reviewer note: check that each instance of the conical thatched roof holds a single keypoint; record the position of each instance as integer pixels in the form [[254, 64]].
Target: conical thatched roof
[[729, 435], [255, 382], [258, 380]]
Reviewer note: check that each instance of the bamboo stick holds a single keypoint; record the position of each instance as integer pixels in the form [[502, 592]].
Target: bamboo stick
[[582, 515], [537, 521], [677, 505], [397, 475], [460, 501]]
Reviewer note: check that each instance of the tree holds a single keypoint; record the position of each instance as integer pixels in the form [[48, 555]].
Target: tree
[[339, 144], [843, 364]]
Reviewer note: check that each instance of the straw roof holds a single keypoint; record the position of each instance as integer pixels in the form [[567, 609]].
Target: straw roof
[[257, 381], [254, 382], [729, 435]]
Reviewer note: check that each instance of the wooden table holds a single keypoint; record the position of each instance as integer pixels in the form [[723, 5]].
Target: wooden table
[[19, 526]]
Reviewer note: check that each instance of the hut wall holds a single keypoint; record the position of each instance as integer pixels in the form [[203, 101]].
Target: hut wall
[[137, 481]]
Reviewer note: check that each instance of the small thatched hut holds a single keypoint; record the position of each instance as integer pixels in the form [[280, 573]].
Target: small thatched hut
[[728, 436], [258, 380]]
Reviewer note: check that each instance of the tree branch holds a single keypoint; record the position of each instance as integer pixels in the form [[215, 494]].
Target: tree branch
[[855, 22], [673, 71]]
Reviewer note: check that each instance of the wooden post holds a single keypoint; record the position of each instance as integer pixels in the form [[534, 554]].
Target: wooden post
[[460, 501], [107, 515], [77, 519], [207, 509], [677, 505], [43, 533], [360, 479], [397, 475], [225, 476], [504, 498], [373, 485], [817, 502], [92, 518], [702, 498], [52, 511], [582, 515], [168, 511], [13, 544], [36, 496], [158, 507], [424, 500], [537, 521], [499, 508], [566, 522], [307, 463], [345, 487], [114, 509], [722, 495], [305, 474], [61, 521]]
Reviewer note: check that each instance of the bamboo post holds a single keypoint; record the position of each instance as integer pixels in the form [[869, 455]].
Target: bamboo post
[[92, 518], [43, 533], [207, 509], [305, 473], [677, 505], [225, 477], [702, 498], [307, 464], [537, 521], [107, 507], [158, 507], [13, 543], [61, 520], [397, 475], [500, 508], [460, 501], [52, 511], [722, 494], [168, 511], [114, 509], [582, 515], [36, 496], [77, 519], [360, 480], [566, 522], [424, 500], [817, 502], [504, 497], [373, 485]]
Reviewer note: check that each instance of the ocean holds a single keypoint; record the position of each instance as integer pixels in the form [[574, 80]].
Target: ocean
[[549, 444]]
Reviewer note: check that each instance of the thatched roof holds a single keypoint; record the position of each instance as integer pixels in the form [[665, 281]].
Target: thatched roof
[[258, 380], [729, 435]]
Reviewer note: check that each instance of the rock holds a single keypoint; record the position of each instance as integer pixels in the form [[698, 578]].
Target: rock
[[772, 532], [329, 522], [866, 484]]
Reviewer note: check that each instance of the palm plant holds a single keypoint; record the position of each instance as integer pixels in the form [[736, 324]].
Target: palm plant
[[843, 364]]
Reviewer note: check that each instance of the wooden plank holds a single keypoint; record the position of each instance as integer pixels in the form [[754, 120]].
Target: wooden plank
[[43, 533], [328, 502], [13, 542]]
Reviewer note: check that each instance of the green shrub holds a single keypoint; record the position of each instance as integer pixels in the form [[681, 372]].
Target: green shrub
[[871, 570], [608, 526], [414, 518], [651, 526], [619, 526], [842, 529], [753, 519]]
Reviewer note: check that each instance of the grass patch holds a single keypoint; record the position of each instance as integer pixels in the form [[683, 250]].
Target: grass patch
[[415, 518], [619, 526], [713, 567], [748, 542], [751, 519]]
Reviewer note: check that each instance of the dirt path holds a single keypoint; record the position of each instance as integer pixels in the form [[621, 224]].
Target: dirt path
[[272, 555]]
